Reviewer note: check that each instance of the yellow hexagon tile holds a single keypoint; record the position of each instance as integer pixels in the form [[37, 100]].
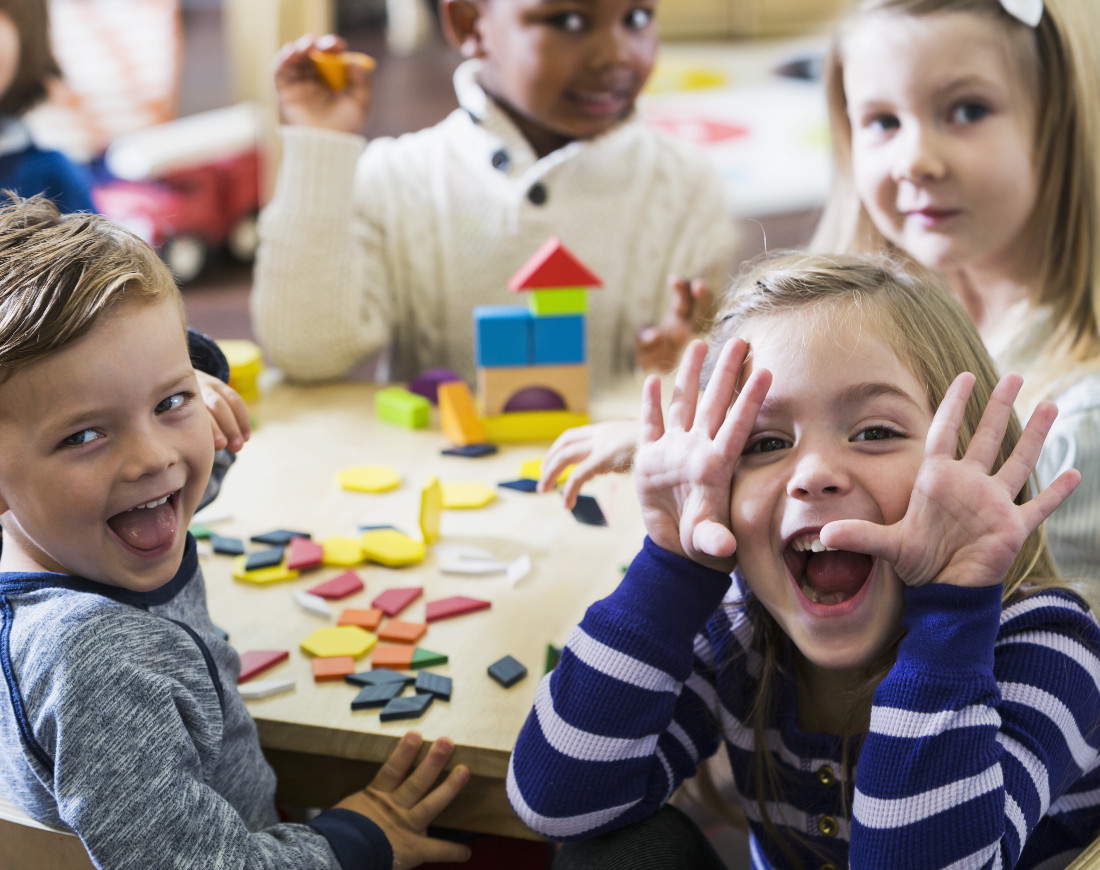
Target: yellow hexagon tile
[[391, 548], [341, 552], [339, 640], [262, 576], [369, 478], [467, 495]]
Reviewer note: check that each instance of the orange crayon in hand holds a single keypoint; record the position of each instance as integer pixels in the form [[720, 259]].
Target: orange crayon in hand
[[333, 65]]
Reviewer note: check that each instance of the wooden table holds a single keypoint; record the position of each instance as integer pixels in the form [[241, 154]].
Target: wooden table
[[286, 478]]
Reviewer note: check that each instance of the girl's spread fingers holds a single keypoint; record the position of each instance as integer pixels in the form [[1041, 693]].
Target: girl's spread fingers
[[1021, 462], [393, 772], [720, 391], [737, 427], [653, 424], [943, 434], [1035, 510], [685, 390], [987, 439]]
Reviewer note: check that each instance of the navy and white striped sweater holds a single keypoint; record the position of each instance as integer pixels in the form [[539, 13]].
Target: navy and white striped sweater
[[984, 748]]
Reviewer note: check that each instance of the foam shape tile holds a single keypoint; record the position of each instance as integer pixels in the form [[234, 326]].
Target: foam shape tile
[[456, 605], [340, 586], [224, 546], [369, 478], [262, 576], [425, 658], [332, 66], [257, 689], [399, 631], [278, 537], [263, 558], [393, 601], [314, 604], [434, 684], [507, 671], [339, 640], [380, 676], [332, 668], [391, 548], [255, 661], [431, 510], [367, 618], [303, 554], [395, 657], [467, 495], [410, 707], [471, 451], [376, 695], [342, 552]]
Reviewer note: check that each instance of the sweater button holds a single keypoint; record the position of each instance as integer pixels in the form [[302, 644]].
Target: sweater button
[[825, 775], [828, 826], [501, 160], [537, 194]]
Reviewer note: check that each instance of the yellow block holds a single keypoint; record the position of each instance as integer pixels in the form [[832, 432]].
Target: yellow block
[[246, 364], [458, 414], [342, 552], [521, 426], [391, 548], [431, 510], [333, 65], [369, 478], [262, 576], [467, 495], [532, 470], [339, 640]]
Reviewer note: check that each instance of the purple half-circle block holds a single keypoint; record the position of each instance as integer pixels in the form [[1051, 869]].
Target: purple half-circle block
[[427, 383], [535, 399]]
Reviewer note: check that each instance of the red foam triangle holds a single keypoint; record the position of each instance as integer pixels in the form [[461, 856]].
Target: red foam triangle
[[456, 605], [553, 265], [257, 660]]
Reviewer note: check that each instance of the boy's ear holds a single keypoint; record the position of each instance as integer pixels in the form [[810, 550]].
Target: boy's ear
[[459, 19]]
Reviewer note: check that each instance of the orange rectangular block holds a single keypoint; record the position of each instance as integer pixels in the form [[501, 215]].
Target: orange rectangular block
[[367, 618], [332, 668], [397, 658], [458, 415], [402, 632]]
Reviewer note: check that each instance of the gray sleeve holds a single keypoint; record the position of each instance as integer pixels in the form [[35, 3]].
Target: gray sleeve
[[136, 739]]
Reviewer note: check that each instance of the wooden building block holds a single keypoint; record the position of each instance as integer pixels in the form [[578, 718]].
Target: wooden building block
[[507, 671], [427, 383], [339, 640], [376, 695], [255, 661], [496, 386], [458, 414], [434, 684], [391, 548], [332, 668], [395, 657], [558, 340], [502, 335], [303, 554], [552, 265], [278, 537], [340, 586], [531, 426], [557, 300], [402, 408], [411, 707]]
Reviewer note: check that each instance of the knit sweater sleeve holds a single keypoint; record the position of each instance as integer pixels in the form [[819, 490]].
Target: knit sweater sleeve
[[129, 741], [985, 720], [617, 725], [319, 301]]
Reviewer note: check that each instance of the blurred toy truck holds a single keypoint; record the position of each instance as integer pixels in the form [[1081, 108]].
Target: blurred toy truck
[[188, 187]]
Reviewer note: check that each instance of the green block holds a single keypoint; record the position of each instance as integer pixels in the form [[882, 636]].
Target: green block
[[559, 300], [553, 656], [425, 658], [200, 531], [399, 406]]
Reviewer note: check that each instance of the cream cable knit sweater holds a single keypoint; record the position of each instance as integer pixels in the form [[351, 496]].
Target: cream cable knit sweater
[[393, 246]]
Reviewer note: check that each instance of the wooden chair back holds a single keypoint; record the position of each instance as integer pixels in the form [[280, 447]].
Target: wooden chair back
[[30, 845]]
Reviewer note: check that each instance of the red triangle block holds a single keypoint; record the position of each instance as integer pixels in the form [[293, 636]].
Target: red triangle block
[[257, 660], [456, 605], [340, 586], [302, 553], [553, 265], [393, 601]]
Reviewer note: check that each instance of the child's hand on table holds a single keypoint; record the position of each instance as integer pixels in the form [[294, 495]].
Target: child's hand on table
[[596, 449], [658, 348], [305, 98], [404, 804], [962, 526], [685, 462], [228, 412]]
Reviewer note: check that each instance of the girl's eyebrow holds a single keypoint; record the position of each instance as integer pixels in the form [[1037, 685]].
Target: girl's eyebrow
[[851, 396]]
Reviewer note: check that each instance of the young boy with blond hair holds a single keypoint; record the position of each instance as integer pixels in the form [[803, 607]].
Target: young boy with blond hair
[[119, 717]]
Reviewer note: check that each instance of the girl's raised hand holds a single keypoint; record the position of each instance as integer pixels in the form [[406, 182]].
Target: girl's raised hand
[[684, 466], [962, 526], [597, 448], [305, 99]]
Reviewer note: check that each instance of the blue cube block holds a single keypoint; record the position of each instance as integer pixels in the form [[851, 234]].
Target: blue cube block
[[502, 335], [558, 340]]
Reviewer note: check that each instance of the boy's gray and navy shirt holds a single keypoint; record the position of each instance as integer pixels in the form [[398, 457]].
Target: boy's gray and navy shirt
[[120, 720]]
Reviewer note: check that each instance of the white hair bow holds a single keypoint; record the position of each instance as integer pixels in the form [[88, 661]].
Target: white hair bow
[[1027, 11]]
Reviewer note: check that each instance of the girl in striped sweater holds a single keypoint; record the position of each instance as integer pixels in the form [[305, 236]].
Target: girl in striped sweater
[[897, 674]]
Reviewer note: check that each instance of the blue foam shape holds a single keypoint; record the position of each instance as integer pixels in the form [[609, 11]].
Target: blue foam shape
[[502, 336], [558, 340]]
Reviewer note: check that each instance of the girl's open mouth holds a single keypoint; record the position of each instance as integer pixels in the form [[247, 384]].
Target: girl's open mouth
[[826, 577], [148, 528]]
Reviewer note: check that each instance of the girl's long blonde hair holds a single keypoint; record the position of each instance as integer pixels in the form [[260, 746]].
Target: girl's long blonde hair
[[915, 314], [1061, 59]]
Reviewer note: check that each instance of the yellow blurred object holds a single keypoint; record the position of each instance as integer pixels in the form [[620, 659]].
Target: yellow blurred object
[[333, 65], [246, 363]]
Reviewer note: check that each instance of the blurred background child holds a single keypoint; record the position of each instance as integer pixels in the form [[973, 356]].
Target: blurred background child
[[393, 246], [26, 66]]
